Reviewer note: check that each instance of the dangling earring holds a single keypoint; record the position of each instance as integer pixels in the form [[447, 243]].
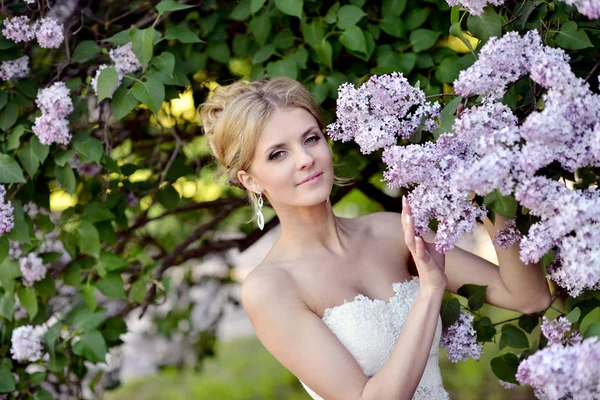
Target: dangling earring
[[327, 199], [260, 219]]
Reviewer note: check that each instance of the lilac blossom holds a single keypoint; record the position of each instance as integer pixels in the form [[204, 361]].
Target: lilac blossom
[[559, 331], [29, 1], [32, 268], [94, 81], [14, 69], [18, 29], [55, 100], [26, 344], [50, 129], [7, 220], [87, 168], [508, 235], [379, 111], [460, 340], [125, 59], [507, 385], [559, 372], [474, 7], [589, 8], [49, 33]]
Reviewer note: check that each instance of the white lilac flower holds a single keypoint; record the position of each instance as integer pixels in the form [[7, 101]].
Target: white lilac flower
[[55, 100], [49, 33], [474, 7], [50, 129], [125, 59], [561, 372], [556, 331], [460, 339], [18, 29], [14, 69], [29, 1], [94, 81], [379, 111], [7, 220], [26, 344], [589, 8], [32, 268], [508, 235]]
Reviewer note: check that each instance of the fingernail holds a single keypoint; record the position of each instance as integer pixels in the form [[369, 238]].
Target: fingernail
[[403, 201], [408, 219], [417, 238]]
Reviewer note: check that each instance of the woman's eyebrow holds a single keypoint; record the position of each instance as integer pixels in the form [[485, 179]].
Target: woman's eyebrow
[[309, 130]]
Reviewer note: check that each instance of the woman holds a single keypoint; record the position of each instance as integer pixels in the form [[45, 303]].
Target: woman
[[383, 343]]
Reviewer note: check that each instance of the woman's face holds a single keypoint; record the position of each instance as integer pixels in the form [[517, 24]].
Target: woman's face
[[290, 149]]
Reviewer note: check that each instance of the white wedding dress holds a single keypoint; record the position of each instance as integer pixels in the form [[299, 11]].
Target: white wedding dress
[[369, 329]]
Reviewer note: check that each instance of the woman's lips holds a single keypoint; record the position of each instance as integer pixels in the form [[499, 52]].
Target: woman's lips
[[313, 179]]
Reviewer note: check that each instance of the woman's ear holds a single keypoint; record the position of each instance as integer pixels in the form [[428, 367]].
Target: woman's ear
[[248, 181]]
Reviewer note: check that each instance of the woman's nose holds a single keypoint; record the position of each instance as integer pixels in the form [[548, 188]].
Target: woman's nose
[[305, 159]]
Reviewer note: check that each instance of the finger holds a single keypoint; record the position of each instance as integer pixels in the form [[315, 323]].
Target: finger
[[409, 233], [421, 252]]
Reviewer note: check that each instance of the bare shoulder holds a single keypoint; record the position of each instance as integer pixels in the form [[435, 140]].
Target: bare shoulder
[[263, 285], [384, 224]]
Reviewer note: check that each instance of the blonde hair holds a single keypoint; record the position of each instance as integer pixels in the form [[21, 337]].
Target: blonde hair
[[235, 115]]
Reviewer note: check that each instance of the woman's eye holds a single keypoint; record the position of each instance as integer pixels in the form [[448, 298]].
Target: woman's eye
[[316, 139], [275, 155]]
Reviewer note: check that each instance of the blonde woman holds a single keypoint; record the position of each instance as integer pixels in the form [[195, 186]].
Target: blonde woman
[[333, 300]]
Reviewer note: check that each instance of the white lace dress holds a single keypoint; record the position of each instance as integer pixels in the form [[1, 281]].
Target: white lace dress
[[369, 329]]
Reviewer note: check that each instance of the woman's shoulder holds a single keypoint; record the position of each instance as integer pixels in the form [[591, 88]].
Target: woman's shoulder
[[382, 223]]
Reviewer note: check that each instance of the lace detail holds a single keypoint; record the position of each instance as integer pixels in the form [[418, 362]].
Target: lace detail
[[380, 325]]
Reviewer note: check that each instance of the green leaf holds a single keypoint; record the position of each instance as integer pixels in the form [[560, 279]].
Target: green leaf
[[88, 292], [570, 37], [505, 367], [10, 172], [393, 26], [143, 44], [456, 30], [65, 177], [7, 306], [41, 150], [513, 337], [151, 93], [9, 270], [8, 116], [528, 323], [263, 54], [28, 159], [290, 7], [485, 329], [51, 335], [87, 238], [353, 39], [241, 11], [3, 99], [349, 15], [7, 380], [423, 39], [72, 276], [112, 262], [14, 138], [256, 5], [416, 17], [182, 33], [111, 285], [91, 346], [165, 63], [61, 157], [120, 38], [475, 295], [85, 50], [450, 311], [114, 328], [96, 212], [592, 330], [313, 33], [591, 318], [574, 315], [503, 205], [46, 288], [90, 148], [448, 70], [58, 362], [4, 248], [284, 39], [86, 320], [260, 27], [42, 394], [171, 5], [122, 102], [393, 7], [218, 52], [107, 81], [285, 67], [28, 300], [325, 53], [455, 14], [331, 16], [486, 25]]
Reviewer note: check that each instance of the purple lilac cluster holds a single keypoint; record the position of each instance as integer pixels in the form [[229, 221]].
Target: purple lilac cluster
[[48, 31], [508, 235], [564, 372], [52, 125], [379, 111], [14, 69], [86, 168], [474, 7], [26, 344], [32, 268], [7, 220], [589, 8], [125, 62], [559, 331], [459, 339]]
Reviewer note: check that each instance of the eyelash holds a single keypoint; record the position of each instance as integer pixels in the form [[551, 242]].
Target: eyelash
[[272, 156]]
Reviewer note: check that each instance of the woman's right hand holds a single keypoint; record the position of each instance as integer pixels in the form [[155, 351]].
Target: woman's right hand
[[430, 264]]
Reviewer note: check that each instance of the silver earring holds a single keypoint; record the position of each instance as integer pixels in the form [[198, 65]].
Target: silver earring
[[260, 219], [327, 199]]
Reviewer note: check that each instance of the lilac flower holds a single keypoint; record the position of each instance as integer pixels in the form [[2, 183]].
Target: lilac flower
[[50, 129], [474, 7], [125, 59], [18, 29], [94, 81], [484, 174], [508, 235], [556, 331], [7, 221], [379, 111], [55, 100], [87, 168], [29, 1], [14, 69], [26, 344], [131, 199], [550, 67], [32, 268], [559, 372], [49, 33], [460, 339], [507, 385], [589, 8]]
